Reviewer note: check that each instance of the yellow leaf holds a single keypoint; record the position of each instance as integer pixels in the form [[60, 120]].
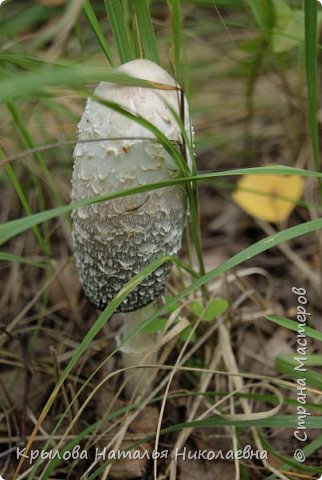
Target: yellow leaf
[[269, 197]]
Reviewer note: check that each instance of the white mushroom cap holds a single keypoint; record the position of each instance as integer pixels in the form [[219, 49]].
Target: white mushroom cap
[[115, 240]]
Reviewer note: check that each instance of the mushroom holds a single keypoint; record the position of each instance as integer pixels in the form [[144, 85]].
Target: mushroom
[[114, 240]]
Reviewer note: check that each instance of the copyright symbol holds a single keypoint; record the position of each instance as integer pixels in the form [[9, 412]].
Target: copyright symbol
[[299, 456]]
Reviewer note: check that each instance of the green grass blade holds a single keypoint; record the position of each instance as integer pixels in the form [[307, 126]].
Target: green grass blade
[[37, 155], [286, 364], [290, 463], [115, 14], [92, 20], [264, 15], [134, 31], [34, 83], [307, 450], [286, 421], [310, 11], [294, 326], [12, 228], [22, 60], [145, 31], [216, 3], [9, 257], [27, 17], [175, 10], [22, 197]]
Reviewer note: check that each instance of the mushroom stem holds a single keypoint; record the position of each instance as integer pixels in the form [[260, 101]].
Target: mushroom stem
[[136, 351]]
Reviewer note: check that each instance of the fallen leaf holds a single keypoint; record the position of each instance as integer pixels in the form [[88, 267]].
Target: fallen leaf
[[269, 197]]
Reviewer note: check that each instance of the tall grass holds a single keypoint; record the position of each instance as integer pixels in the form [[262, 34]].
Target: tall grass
[[119, 32]]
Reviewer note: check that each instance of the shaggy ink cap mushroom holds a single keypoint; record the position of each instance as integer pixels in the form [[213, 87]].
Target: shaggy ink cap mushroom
[[114, 240]]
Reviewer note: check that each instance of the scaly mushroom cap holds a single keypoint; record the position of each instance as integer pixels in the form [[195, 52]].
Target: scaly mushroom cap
[[114, 240]]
